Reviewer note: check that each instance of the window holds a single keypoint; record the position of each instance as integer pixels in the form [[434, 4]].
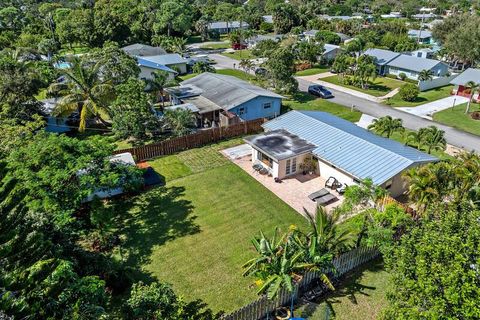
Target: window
[[388, 184], [294, 165], [287, 169], [267, 105], [242, 110], [265, 159]]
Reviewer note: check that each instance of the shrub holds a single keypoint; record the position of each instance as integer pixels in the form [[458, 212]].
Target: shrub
[[475, 115], [409, 92], [402, 76]]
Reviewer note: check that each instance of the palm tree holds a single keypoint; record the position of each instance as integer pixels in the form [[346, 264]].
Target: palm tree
[[434, 139], [425, 75], [472, 86], [157, 84], [417, 137], [180, 121], [386, 126], [246, 65], [84, 92], [177, 45], [277, 266]]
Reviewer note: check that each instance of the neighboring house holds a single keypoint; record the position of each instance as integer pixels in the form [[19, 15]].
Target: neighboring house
[[343, 150], [54, 124], [381, 58], [253, 41], [422, 36], [425, 53], [461, 81], [172, 63], [224, 27], [309, 34], [343, 37], [412, 66], [424, 16], [224, 100], [392, 15], [331, 52], [143, 50]]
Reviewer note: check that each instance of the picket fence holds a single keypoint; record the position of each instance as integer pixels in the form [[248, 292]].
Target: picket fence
[[195, 140], [343, 264]]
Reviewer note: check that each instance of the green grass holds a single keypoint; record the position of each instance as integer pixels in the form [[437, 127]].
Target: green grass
[[304, 101], [312, 71], [423, 97], [229, 72], [458, 119], [195, 231], [194, 39], [239, 54], [216, 46], [379, 87], [361, 296]]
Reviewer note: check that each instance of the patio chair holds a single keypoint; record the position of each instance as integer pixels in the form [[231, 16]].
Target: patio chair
[[331, 183], [256, 167], [318, 194], [342, 188], [326, 199], [263, 171]]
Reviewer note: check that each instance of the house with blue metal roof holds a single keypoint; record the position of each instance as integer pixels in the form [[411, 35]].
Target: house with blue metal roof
[[173, 63], [342, 149]]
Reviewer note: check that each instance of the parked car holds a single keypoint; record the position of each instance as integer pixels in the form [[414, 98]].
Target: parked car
[[261, 71], [239, 46], [320, 91]]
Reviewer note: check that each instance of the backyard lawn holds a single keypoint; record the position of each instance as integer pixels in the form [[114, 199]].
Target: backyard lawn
[[195, 231], [240, 54], [304, 101], [379, 87], [458, 119], [312, 71], [361, 296], [423, 97]]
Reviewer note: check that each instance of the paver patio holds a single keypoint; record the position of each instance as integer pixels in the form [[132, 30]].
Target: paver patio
[[294, 191]]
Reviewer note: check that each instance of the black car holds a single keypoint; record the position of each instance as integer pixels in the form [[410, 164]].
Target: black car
[[320, 91]]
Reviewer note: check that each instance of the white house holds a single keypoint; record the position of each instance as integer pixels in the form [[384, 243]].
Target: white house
[[412, 66], [172, 63], [342, 150], [226, 27], [331, 52]]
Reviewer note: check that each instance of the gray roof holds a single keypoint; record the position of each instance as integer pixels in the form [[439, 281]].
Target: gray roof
[[223, 25], [352, 149], [184, 106], [382, 57], [143, 50], [227, 91], [470, 74], [268, 19], [166, 59], [279, 144], [330, 47], [203, 104], [312, 32], [424, 34], [424, 16], [411, 63], [262, 37]]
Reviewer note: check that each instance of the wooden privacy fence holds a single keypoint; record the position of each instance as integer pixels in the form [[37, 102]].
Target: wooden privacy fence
[[343, 264], [389, 200], [198, 139]]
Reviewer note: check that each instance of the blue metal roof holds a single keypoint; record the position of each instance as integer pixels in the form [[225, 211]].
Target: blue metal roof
[[354, 150], [165, 59], [150, 64], [381, 56]]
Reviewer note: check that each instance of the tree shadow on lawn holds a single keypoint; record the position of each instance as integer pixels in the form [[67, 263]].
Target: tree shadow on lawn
[[151, 219], [349, 286]]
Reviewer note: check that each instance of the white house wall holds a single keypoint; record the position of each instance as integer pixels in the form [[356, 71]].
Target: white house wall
[[327, 171], [146, 73]]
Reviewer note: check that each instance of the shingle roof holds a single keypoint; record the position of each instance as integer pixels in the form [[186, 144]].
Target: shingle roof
[[411, 63], [423, 34], [166, 59], [381, 56], [330, 47], [470, 74], [354, 150], [227, 91], [139, 49]]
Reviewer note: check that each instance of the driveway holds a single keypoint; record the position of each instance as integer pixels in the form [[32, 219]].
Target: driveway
[[428, 109]]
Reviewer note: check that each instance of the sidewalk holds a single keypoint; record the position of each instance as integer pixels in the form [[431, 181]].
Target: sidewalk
[[316, 78], [428, 109]]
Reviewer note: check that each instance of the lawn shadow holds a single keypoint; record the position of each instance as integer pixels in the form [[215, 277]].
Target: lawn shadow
[[348, 286], [151, 219]]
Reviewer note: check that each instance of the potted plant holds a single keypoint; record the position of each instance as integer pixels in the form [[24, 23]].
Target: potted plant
[[309, 165]]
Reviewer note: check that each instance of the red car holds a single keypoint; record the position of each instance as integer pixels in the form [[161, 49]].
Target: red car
[[239, 46]]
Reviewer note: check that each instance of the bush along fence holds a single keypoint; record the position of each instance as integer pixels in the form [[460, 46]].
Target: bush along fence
[[343, 264], [195, 140]]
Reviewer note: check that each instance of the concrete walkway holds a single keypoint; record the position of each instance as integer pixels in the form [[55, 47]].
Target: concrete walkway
[[428, 109]]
